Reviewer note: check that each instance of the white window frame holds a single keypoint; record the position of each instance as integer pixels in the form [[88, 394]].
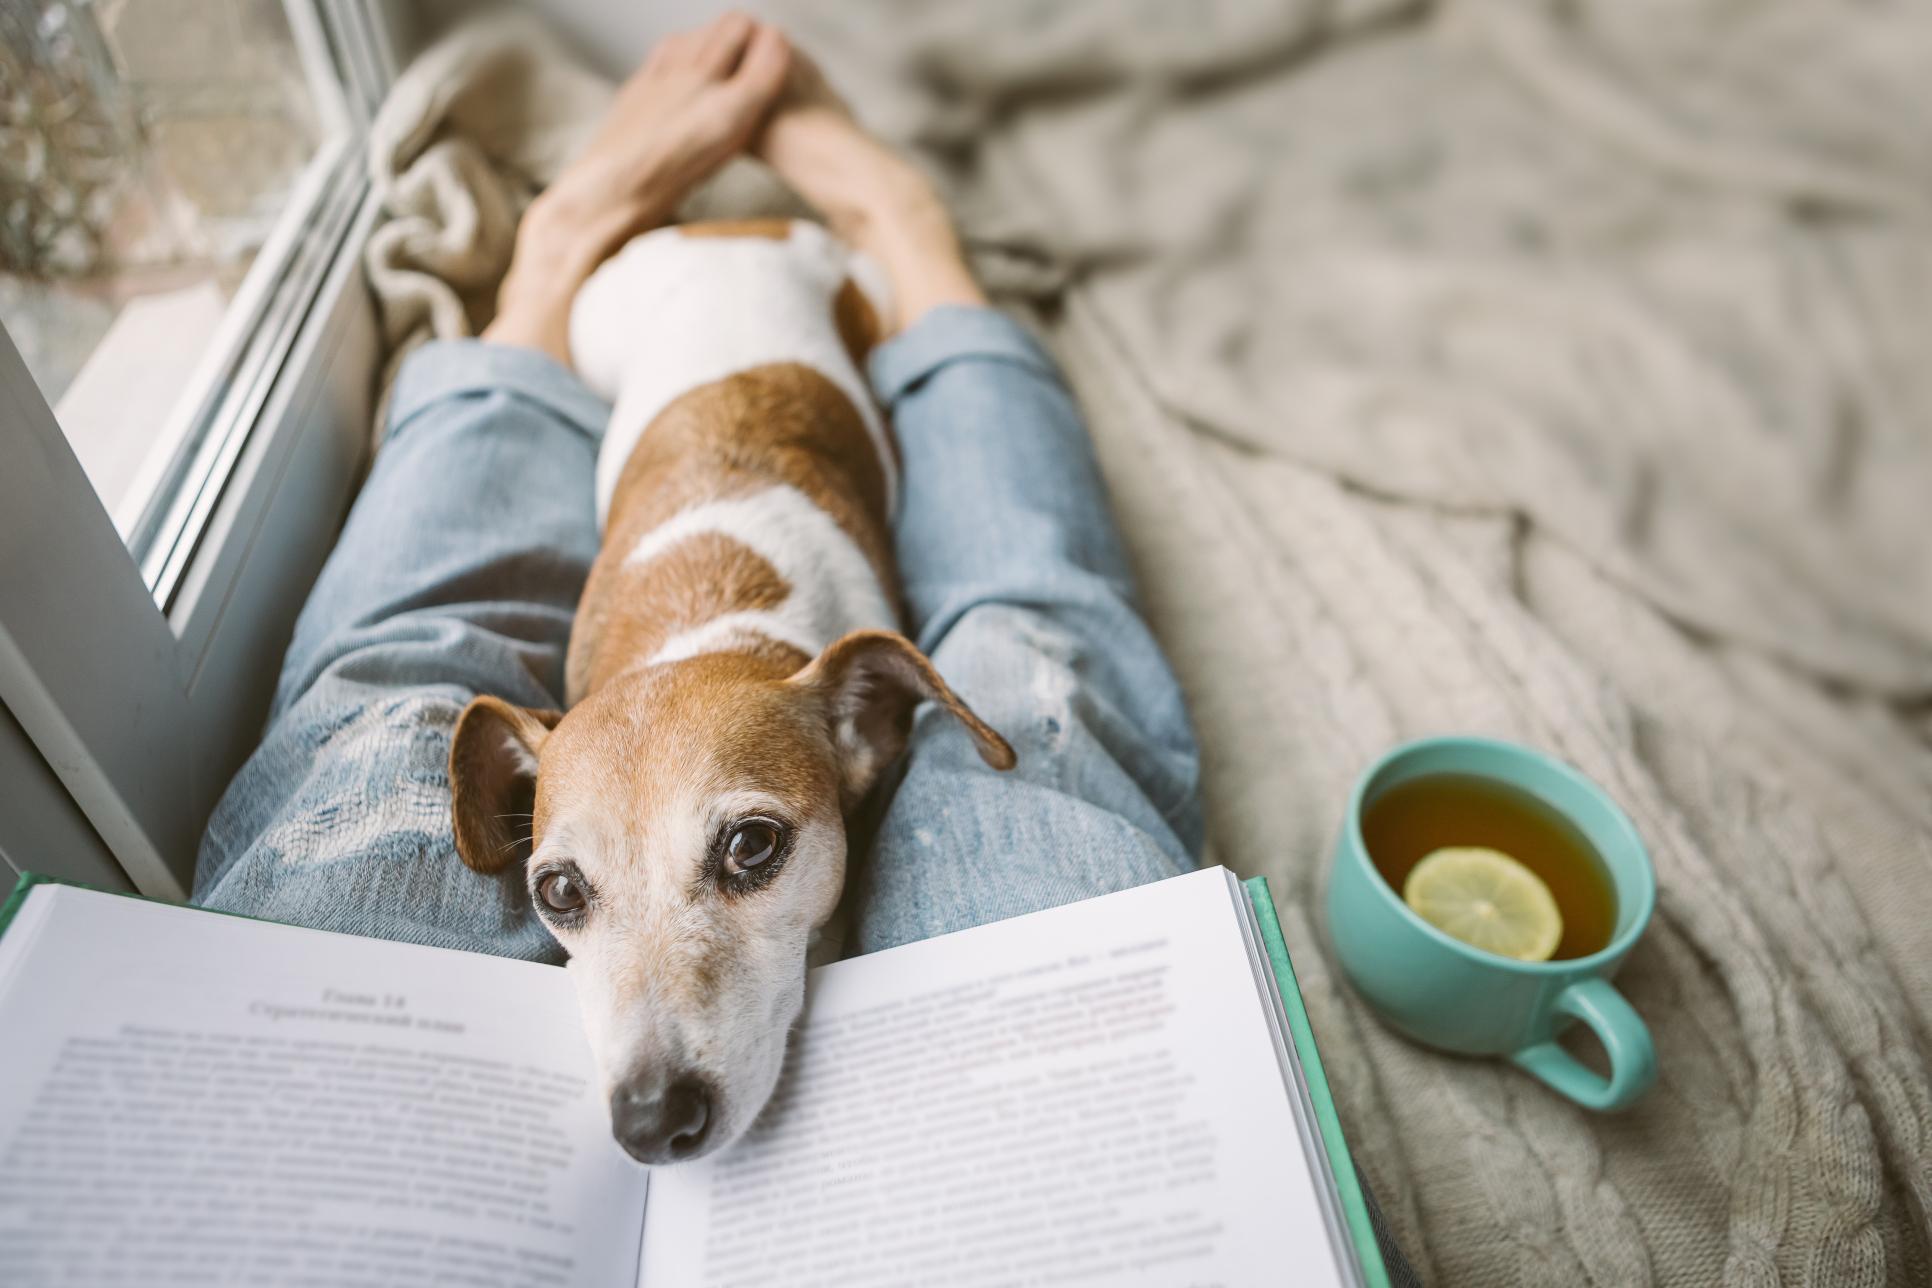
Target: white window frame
[[139, 689]]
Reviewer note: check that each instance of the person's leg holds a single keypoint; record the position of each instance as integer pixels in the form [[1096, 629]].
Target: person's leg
[[1017, 586], [1015, 581], [456, 574]]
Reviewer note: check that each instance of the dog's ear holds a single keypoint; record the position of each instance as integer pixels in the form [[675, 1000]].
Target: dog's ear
[[870, 682], [493, 780]]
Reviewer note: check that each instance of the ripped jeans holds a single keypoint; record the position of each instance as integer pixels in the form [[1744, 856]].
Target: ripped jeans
[[460, 566]]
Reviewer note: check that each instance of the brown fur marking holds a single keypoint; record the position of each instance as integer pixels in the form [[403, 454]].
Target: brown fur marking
[[771, 229], [687, 585], [857, 323], [783, 423], [679, 713]]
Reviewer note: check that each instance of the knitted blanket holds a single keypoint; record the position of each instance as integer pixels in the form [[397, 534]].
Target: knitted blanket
[[1559, 371]]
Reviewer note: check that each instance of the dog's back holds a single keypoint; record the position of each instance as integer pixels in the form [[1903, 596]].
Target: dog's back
[[746, 477]]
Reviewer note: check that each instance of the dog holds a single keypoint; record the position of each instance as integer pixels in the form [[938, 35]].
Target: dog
[[736, 682]]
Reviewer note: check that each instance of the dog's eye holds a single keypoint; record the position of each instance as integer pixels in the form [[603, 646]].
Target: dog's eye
[[561, 892], [749, 845]]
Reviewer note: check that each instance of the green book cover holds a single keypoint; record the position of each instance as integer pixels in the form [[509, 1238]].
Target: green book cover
[[21, 889], [1361, 1230]]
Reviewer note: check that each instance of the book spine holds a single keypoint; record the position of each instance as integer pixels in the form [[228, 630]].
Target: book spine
[[1361, 1229]]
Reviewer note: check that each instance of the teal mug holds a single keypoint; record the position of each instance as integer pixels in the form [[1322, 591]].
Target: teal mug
[[1446, 994]]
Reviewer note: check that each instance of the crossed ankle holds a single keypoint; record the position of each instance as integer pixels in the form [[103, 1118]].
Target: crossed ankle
[[904, 226]]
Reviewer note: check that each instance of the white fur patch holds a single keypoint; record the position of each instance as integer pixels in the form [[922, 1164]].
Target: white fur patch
[[669, 313], [833, 586]]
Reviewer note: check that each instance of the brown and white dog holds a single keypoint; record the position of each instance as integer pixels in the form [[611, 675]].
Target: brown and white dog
[[735, 681]]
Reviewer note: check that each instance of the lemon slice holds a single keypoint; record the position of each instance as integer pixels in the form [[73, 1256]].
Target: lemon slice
[[1486, 899]]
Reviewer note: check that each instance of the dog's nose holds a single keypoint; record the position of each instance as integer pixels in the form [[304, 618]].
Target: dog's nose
[[657, 1122]]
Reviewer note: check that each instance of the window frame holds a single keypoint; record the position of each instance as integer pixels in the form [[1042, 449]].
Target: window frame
[[140, 687]]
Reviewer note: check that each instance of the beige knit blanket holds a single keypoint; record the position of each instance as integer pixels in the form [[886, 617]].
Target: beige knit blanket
[[1560, 371]]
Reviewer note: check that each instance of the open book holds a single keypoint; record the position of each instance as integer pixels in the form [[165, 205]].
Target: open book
[[1117, 1092]]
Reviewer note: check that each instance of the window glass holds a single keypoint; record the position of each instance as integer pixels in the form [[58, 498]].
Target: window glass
[[154, 152]]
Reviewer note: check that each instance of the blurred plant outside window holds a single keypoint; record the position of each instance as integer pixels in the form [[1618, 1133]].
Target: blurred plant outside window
[[149, 152]]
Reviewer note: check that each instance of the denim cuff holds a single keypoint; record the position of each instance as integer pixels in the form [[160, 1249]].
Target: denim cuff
[[953, 333], [470, 368]]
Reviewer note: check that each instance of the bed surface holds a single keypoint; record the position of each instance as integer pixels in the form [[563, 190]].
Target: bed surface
[[1560, 372]]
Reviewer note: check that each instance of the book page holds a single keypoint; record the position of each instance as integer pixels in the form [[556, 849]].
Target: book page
[[194, 1098], [1086, 1096]]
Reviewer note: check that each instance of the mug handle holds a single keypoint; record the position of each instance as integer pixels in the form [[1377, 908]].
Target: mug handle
[[1633, 1060]]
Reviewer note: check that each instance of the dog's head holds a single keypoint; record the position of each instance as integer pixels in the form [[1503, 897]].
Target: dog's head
[[683, 833]]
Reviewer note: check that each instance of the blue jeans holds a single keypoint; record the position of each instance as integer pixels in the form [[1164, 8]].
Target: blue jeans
[[460, 567]]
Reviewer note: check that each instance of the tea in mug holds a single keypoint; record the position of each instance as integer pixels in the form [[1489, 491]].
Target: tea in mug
[[1411, 820]]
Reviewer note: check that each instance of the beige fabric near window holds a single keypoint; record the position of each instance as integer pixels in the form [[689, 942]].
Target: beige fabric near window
[[1560, 371]]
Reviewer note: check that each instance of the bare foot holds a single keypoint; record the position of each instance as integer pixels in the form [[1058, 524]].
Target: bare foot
[[869, 194], [698, 99]]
